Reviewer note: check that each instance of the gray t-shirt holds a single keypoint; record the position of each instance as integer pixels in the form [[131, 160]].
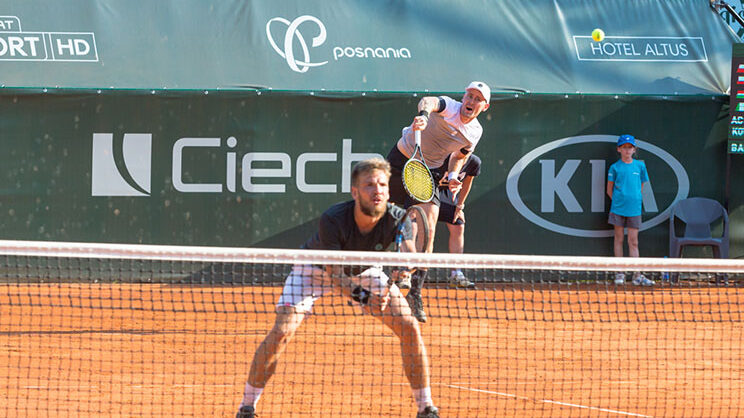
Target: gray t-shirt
[[444, 134]]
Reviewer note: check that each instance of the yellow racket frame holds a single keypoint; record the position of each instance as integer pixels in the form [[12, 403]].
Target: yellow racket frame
[[417, 178]]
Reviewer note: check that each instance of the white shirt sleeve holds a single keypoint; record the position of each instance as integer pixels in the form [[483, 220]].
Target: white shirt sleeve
[[451, 108]]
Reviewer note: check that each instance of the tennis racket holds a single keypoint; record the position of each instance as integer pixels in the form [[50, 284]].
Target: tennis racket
[[419, 229], [417, 178], [412, 225]]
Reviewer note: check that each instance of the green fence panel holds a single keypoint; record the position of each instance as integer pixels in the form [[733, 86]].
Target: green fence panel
[[258, 168]]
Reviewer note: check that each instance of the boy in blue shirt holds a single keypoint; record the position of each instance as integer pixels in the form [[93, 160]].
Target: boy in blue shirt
[[625, 186]]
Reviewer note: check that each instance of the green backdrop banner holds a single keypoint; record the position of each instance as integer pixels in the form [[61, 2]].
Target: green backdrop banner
[[651, 46], [258, 168]]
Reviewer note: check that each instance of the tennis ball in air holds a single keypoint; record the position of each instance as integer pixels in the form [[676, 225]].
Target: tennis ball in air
[[598, 35]]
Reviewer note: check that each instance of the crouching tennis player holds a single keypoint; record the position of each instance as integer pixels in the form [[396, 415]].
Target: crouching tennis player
[[366, 223]]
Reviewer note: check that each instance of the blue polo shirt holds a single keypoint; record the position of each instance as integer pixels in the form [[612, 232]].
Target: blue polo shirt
[[627, 199]]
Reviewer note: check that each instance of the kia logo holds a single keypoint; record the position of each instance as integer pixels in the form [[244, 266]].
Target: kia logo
[[554, 185]]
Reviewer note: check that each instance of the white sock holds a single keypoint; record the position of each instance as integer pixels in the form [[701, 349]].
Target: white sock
[[251, 395], [423, 398]]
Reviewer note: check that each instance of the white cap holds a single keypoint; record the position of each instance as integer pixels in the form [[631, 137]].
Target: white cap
[[482, 88]]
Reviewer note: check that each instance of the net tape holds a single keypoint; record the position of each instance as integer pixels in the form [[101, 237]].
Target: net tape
[[436, 260]]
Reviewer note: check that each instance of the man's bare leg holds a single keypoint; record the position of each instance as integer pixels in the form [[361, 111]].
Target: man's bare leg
[[267, 354]]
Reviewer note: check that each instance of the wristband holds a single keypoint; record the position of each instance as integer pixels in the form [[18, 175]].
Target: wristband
[[424, 113], [452, 175], [460, 206]]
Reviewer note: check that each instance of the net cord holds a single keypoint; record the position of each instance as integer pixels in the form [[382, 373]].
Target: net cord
[[298, 256]]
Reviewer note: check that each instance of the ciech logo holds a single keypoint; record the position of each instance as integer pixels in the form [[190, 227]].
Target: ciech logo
[[122, 166], [294, 49], [565, 181]]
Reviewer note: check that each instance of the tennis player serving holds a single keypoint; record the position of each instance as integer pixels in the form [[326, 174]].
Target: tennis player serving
[[366, 223], [448, 129]]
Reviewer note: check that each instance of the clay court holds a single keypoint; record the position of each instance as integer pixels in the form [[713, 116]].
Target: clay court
[[91, 350]]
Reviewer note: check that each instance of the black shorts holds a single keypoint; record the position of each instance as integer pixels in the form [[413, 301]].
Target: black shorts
[[398, 194], [447, 214]]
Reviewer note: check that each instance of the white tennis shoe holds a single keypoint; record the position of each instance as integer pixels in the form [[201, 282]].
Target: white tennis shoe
[[642, 280], [619, 278], [458, 279]]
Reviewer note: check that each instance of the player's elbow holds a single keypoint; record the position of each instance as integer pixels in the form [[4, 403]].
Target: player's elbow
[[429, 103]]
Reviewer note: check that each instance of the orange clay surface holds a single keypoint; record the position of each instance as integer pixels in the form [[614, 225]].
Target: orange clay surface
[[135, 350]]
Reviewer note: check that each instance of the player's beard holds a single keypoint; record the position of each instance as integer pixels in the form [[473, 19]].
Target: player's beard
[[370, 209]]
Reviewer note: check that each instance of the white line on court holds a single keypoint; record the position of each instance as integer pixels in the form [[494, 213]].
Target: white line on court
[[195, 386], [511, 395]]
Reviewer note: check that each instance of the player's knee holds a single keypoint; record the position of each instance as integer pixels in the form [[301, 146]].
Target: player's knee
[[281, 334], [285, 326], [456, 229], [406, 326], [410, 331]]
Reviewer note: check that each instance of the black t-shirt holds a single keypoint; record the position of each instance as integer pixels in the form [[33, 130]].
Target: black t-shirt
[[339, 231]]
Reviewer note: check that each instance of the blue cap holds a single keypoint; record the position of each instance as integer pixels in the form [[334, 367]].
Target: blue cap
[[626, 139]]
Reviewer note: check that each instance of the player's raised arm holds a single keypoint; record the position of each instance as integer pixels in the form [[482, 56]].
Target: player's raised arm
[[426, 106]]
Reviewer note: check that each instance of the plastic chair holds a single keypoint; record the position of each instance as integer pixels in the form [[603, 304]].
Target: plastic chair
[[698, 213]]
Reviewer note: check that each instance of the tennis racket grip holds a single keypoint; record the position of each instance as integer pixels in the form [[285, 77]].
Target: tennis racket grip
[[399, 238], [417, 138]]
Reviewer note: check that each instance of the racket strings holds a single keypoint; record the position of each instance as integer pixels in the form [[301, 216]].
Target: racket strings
[[418, 181]]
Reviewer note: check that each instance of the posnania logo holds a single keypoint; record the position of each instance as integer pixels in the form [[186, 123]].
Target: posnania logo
[[554, 185], [124, 168], [304, 63]]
